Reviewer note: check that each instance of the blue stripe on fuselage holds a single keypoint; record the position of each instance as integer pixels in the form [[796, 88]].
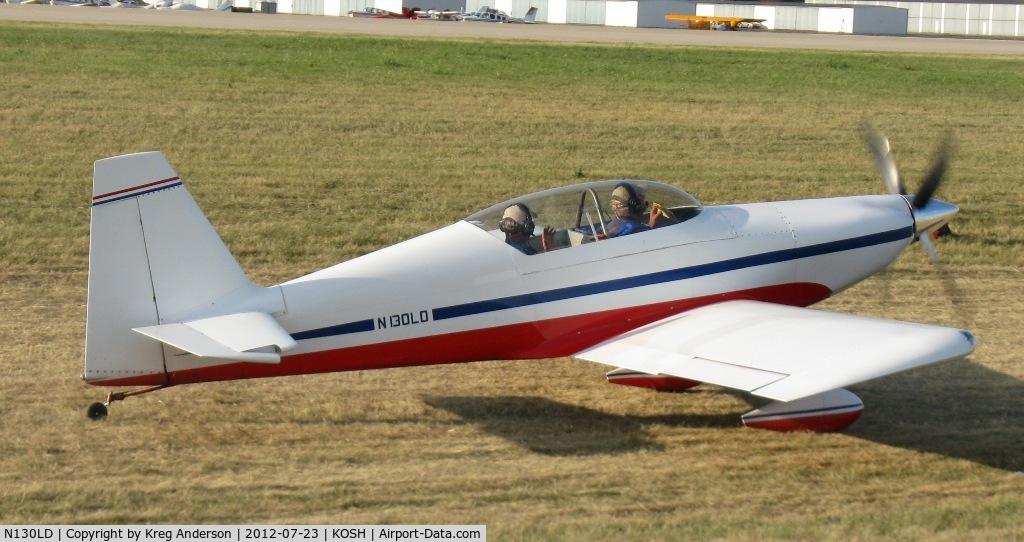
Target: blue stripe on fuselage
[[511, 302], [342, 329]]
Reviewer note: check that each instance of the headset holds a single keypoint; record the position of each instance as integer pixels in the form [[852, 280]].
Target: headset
[[634, 203], [511, 225]]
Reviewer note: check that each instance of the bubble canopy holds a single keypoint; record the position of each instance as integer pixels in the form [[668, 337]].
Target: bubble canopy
[[587, 207]]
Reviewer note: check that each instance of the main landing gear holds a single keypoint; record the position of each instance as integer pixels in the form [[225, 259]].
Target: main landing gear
[[98, 411]]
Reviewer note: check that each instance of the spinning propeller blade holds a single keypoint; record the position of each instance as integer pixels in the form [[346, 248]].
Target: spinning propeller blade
[[929, 247], [882, 152], [935, 175]]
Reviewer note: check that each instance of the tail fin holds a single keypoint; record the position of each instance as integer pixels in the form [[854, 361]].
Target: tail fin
[[154, 259], [531, 15]]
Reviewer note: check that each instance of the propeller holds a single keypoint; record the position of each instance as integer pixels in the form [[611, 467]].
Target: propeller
[[929, 214]]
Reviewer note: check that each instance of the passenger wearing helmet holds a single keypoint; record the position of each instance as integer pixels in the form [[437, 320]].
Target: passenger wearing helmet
[[628, 207], [518, 226]]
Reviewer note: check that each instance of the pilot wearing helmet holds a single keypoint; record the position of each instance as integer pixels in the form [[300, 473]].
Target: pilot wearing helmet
[[518, 226], [629, 207]]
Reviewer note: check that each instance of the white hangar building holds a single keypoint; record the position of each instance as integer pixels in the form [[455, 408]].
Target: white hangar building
[[983, 18]]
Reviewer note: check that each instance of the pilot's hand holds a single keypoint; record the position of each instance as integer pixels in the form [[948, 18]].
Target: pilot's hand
[[656, 211], [547, 238]]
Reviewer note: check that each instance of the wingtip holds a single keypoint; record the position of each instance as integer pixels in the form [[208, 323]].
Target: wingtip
[[970, 338]]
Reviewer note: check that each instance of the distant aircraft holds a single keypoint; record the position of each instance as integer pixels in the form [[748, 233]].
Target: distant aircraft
[[125, 5], [71, 3], [489, 15], [170, 5], [131, 4], [436, 15], [377, 13], [696, 294], [710, 22], [58, 2]]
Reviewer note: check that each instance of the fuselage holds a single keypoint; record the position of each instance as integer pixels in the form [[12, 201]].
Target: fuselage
[[461, 294]]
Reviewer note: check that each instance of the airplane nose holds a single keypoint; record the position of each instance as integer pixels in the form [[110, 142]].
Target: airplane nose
[[935, 214]]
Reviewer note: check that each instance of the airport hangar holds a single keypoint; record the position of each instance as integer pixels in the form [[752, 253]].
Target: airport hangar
[[988, 19]]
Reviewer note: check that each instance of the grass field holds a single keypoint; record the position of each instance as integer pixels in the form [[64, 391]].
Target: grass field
[[309, 150]]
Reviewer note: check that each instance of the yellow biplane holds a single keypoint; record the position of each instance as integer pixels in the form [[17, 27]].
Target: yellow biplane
[[714, 22]]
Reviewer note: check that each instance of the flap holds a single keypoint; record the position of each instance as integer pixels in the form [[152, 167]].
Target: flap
[[247, 336], [779, 352]]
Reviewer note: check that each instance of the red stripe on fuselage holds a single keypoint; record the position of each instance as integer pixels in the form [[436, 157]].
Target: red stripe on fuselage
[[552, 338]]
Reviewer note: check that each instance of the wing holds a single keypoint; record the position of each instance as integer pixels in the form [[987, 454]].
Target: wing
[[779, 352], [687, 18]]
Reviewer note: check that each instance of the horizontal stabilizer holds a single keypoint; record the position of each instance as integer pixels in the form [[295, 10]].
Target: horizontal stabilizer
[[243, 336]]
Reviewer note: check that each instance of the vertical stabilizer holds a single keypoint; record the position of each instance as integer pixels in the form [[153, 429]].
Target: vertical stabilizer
[[154, 258]]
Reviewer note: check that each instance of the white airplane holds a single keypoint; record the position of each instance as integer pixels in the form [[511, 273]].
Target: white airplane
[[440, 15], [181, 6], [694, 294], [489, 15], [131, 4]]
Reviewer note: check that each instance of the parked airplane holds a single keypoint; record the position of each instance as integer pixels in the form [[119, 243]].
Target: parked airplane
[[440, 15], [711, 22], [377, 13], [170, 5], [692, 294], [489, 15], [132, 4]]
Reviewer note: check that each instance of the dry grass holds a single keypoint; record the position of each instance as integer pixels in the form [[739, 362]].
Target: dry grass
[[297, 145]]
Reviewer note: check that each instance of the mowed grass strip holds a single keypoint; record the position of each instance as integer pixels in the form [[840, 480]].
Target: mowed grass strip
[[307, 150]]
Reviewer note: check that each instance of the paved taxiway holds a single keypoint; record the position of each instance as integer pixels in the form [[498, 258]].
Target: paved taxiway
[[541, 32]]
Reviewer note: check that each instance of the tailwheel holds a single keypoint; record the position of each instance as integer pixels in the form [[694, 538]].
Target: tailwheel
[[98, 411]]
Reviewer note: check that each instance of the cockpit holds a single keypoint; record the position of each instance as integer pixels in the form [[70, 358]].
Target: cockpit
[[585, 213]]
